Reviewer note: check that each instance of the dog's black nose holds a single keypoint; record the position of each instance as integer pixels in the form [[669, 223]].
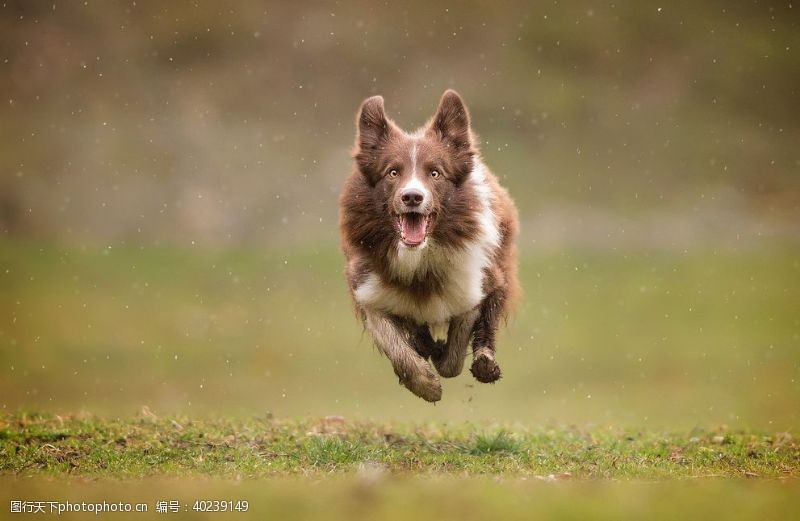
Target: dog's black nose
[[412, 197]]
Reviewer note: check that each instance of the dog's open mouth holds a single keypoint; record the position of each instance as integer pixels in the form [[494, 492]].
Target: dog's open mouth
[[414, 227]]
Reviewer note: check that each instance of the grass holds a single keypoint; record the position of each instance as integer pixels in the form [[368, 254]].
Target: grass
[[679, 368], [500, 441], [147, 446]]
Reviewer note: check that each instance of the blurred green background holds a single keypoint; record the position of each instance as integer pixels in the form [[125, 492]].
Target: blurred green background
[[169, 175]]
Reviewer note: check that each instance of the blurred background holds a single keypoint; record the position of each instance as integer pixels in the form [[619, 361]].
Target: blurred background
[[169, 175]]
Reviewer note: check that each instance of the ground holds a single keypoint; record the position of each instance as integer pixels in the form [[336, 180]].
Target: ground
[[90, 447], [644, 384], [332, 467]]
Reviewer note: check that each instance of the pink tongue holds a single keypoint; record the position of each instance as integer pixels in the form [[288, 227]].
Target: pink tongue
[[413, 226]]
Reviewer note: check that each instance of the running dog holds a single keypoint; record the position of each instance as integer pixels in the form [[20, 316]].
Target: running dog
[[429, 236]]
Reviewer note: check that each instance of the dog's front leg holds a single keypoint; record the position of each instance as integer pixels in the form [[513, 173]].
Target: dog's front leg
[[484, 366], [450, 362], [394, 341]]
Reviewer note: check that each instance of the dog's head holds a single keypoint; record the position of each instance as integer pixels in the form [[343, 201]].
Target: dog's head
[[416, 179]]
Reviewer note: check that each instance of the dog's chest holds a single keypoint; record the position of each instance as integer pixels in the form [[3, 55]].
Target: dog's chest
[[459, 287]]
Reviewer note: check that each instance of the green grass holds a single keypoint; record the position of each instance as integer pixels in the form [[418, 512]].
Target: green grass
[[147, 446], [499, 441]]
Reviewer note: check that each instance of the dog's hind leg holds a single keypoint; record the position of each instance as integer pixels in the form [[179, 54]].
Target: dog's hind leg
[[394, 340], [450, 362], [484, 366]]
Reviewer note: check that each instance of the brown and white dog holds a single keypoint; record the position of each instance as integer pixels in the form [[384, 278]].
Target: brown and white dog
[[430, 240]]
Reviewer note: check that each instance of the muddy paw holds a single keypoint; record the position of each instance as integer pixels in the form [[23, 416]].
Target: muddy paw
[[424, 383], [484, 367]]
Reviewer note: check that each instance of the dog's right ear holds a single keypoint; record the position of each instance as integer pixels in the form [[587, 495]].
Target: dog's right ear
[[374, 129]]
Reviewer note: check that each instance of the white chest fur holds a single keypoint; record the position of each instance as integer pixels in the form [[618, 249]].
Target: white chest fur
[[461, 270], [462, 289]]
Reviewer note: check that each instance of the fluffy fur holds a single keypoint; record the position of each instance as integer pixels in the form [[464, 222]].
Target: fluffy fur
[[430, 241]]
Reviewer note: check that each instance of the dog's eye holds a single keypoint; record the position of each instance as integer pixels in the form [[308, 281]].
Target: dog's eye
[[435, 174], [393, 173]]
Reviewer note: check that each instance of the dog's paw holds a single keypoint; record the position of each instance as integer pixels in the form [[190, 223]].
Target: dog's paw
[[424, 383], [484, 367]]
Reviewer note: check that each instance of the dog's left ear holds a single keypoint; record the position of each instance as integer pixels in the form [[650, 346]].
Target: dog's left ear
[[451, 126]]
